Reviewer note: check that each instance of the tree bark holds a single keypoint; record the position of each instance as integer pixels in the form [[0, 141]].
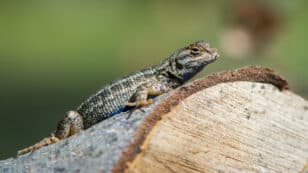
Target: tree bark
[[235, 121]]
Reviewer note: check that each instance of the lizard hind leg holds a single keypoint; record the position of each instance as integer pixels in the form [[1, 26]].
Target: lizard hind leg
[[71, 124], [68, 126]]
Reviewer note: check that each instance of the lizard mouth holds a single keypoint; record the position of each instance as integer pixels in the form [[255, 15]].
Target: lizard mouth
[[212, 53], [215, 54]]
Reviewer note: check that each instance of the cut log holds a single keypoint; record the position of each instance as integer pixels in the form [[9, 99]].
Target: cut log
[[236, 121]]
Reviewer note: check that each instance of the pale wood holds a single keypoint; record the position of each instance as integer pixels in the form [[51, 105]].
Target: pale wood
[[230, 127]]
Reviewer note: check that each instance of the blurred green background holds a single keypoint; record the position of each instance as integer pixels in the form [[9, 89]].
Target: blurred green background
[[53, 54]]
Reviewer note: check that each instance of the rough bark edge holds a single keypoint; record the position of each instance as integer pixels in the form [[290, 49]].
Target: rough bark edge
[[252, 74]]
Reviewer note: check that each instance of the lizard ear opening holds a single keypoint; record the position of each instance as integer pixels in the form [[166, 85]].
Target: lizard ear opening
[[178, 65]]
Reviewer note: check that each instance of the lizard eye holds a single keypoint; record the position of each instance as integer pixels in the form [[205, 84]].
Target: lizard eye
[[195, 51]]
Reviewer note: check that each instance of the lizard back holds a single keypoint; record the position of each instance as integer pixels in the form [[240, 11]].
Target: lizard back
[[111, 99]]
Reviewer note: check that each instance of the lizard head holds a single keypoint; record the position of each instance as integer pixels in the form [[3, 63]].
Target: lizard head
[[188, 61]]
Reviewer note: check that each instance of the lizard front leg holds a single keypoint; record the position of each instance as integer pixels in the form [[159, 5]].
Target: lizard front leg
[[151, 88], [68, 126]]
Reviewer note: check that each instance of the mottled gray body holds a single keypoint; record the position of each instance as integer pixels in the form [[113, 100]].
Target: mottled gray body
[[112, 98], [133, 90]]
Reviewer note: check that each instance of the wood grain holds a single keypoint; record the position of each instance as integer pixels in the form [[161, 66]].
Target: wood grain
[[231, 127]]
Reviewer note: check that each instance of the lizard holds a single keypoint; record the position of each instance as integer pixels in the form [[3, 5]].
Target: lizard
[[133, 90]]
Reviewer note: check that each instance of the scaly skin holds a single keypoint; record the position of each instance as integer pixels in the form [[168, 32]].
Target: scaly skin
[[133, 90]]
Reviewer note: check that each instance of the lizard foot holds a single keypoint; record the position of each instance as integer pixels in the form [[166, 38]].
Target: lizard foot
[[68, 126], [42, 143], [140, 103]]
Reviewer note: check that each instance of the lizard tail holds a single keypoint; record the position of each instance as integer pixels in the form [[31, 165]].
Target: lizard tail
[[42, 143]]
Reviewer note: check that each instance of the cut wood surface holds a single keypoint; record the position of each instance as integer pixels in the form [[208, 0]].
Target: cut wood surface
[[231, 127], [235, 121]]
